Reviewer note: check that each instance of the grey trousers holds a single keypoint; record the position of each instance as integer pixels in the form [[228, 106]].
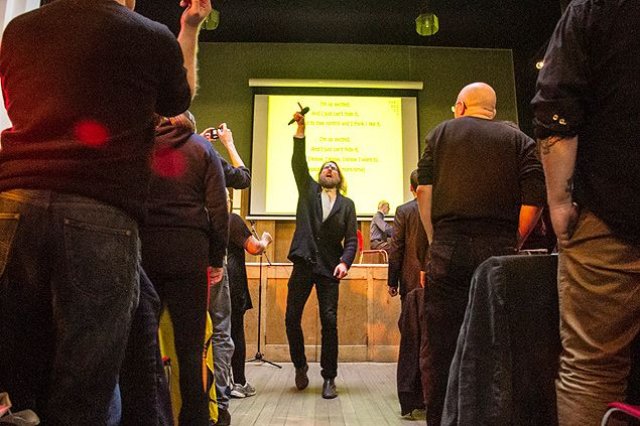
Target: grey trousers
[[220, 311], [599, 294]]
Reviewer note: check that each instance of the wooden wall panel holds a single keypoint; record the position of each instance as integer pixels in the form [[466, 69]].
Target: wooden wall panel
[[367, 316]]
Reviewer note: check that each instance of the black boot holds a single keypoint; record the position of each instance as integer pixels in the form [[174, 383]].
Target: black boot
[[329, 389], [302, 381]]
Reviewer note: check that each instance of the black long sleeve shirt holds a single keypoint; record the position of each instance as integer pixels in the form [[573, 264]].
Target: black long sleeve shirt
[[589, 87]]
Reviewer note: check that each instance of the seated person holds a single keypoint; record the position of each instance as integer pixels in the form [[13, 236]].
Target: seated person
[[381, 232]]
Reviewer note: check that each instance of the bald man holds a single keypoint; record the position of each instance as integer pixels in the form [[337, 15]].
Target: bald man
[[479, 195]]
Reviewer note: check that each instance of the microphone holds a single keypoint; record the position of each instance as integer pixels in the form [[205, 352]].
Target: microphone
[[303, 111]]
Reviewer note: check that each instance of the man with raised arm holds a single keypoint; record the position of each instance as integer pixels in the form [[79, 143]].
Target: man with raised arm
[[73, 180], [480, 193], [325, 220]]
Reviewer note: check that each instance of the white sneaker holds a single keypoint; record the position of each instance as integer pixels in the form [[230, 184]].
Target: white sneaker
[[237, 391], [240, 391], [248, 389]]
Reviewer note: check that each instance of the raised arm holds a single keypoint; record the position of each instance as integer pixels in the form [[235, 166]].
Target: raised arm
[[299, 158], [194, 14], [236, 175]]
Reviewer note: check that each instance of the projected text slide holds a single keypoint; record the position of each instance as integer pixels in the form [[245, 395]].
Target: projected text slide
[[362, 134]]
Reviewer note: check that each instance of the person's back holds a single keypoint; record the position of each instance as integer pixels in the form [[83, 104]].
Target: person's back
[[477, 174], [480, 193], [82, 80], [186, 231]]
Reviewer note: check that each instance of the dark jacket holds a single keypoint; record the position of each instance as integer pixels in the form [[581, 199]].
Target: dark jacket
[[408, 248], [235, 177], [195, 198], [314, 241]]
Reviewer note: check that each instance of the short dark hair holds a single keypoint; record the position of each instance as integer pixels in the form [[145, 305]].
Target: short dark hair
[[413, 179]]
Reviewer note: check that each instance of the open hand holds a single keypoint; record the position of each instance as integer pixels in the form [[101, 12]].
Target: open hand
[[564, 218], [341, 271], [215, 275]]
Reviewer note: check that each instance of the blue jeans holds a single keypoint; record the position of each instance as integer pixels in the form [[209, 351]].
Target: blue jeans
[[68, 291]]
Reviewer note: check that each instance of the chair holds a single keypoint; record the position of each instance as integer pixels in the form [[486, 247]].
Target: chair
[[620, 407], [385, 255]]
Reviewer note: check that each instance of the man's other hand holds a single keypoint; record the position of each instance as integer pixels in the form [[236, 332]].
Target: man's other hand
[[564, 218], [215, 275], [206, 133], [266, 237], [195, 12], [393, 291], [341, 271], [225, 134]]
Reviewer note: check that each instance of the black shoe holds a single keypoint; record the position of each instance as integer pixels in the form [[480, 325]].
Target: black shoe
[[302, 381], [224, 418], [329, 389]]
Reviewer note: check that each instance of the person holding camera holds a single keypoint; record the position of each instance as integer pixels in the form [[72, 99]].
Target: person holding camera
[[237, 176]]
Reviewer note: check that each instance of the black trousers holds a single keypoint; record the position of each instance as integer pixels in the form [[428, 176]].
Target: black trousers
[[452, 261], [327, 289], [176, 262], [240, 351]]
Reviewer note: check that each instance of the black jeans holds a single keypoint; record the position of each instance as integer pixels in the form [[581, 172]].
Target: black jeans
[[143, 384], [327, 289], [452, 262], [69, 287], [176, 262], [240, 352]]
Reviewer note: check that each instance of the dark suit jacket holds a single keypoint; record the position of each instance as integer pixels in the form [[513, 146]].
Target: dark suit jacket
[[315, 242], [408, 248]]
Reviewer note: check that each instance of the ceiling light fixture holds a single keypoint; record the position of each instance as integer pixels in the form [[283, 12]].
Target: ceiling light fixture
[[427, 23], [212, 20]]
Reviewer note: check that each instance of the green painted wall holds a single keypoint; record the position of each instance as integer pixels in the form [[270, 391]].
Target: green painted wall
[[225, 70]]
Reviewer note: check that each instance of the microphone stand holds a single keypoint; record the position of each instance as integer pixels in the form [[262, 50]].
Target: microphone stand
[[259, 355]]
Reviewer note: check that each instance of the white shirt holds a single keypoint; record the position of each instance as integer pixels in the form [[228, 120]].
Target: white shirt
[[328, 200]]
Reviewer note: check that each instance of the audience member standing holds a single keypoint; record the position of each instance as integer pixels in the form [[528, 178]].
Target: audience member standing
[[588, 128], [480, 188], [408, 248], [186, 232], [73, 176], [236, 176], [324, 220], [241, 240], [407, 254], [381, 232]]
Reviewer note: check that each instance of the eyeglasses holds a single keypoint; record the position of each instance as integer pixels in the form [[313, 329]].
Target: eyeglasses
[[453, 107], [330, 166]]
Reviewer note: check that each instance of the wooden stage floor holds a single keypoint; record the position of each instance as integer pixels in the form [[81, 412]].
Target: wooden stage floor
[[366, 396]]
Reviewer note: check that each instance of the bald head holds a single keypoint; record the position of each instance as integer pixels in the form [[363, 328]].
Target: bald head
[[476, 100]]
